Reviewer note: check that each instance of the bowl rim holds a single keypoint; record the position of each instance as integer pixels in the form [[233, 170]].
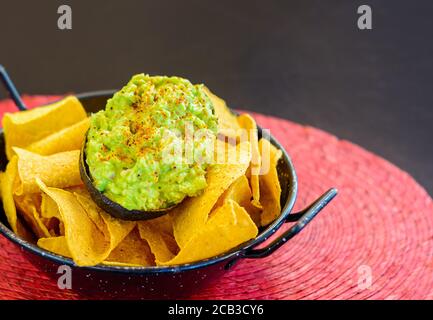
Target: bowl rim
[[232, 254]]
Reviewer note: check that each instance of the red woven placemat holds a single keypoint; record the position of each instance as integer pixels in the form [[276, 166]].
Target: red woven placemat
[[381, 224]]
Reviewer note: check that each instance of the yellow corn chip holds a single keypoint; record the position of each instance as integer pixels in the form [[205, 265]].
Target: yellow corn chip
[[228, 227], [28, 206], [50, 216], [227, 123], [191, 215], [7, 186], [49, 208], [93, 213], [67, 139], [132, 251], [25, 127], [86, 243], [53, 226], [161, 243], [115, 230], [59, 170], [58, 245], [163, 223], [249, 124], [79, 189], [240, 193], [270, 189]]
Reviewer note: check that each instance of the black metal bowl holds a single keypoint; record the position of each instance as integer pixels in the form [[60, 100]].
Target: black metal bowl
[[172, 281]]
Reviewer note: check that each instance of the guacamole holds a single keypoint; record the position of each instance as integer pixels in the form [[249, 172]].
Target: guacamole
[[130, 149]]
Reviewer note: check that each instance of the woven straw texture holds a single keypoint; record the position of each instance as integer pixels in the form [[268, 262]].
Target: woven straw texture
[[374, 241]]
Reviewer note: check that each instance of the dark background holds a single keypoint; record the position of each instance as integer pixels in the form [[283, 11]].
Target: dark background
[[302, 60]]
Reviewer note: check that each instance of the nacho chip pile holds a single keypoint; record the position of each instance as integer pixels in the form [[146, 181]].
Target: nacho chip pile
[[45, 201]]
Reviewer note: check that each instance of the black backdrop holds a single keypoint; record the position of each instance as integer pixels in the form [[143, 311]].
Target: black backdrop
[[303, 60]]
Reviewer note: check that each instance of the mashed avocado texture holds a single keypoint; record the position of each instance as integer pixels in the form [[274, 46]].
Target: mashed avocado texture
[[133, 145]]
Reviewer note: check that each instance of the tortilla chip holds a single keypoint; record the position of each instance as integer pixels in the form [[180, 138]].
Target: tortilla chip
[[93, 212], [80, 189], [227, 123], [49, 208], [67, 139], [86, 243], [7, 186], [23, 128], [249, 124], [161, 243], [240, 193], [228, 227], [53, 226], [28, 206], [115, 230], [270, 189], [229, 152], [163, 223], [132, 251], [50, 216], [59, 170], [191, 215], [57, 245]]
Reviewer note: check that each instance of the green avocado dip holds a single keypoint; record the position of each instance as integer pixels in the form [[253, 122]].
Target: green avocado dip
[[129, 149]]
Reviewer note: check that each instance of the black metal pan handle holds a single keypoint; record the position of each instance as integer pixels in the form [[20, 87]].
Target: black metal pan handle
[[301, 218], [12, 90]]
